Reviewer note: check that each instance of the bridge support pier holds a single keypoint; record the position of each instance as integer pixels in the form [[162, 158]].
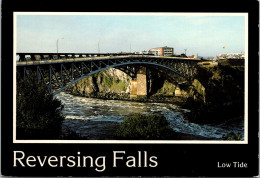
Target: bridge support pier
[[177, 91], [139, 86]]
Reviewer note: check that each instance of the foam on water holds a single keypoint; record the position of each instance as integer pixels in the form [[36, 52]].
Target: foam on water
[[80, 108]]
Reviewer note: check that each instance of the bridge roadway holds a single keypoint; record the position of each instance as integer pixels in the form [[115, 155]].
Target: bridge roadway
[[44, 56], [81, 59]]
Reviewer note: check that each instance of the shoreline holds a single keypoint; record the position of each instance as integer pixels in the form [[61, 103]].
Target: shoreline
[[155, 98]]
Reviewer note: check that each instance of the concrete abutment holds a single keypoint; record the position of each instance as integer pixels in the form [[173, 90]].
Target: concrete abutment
[[139, 86]]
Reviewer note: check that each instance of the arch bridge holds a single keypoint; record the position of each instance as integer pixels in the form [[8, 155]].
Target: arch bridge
[[60, 71]]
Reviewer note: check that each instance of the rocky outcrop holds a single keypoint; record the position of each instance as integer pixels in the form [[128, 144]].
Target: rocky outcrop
[[219, 94], [105, 83], [115, 84]]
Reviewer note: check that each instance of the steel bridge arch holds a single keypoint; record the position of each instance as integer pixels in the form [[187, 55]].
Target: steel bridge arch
[[115, 66]]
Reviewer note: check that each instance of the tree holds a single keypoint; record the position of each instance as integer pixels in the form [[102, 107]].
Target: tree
[[38, 114]]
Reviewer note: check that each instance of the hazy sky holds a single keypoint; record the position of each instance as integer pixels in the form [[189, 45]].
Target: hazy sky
[[205, 35]]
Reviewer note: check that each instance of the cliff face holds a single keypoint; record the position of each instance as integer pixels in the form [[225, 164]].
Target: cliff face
[[104, 82], [116, 84], [219, 91]]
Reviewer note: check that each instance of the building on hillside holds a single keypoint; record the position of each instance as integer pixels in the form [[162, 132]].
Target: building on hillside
[[145, 52], [154, 52], [236, 56], [162, 51], [230, 56], [141, 52], [193, 56]]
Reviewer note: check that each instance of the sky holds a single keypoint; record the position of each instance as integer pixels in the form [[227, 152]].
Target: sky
[[205, 35]]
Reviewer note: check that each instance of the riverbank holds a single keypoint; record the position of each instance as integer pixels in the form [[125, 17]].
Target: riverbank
[[155, 98]]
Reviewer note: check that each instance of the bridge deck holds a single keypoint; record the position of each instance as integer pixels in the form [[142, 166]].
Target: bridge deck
[[80, 59]]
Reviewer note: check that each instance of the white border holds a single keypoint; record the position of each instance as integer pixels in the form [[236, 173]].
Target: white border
[[245, 141]]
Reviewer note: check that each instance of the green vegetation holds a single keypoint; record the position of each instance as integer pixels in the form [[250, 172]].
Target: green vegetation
[[232, 136], [118, 86], [222, 93], [112, 83], [167, 88], [38, 113], [144, 127], [101, 82], [108, 80]]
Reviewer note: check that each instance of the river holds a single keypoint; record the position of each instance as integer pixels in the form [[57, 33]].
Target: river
[[96, 119]]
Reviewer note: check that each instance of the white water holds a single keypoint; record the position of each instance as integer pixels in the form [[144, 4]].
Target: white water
[[80, 111]]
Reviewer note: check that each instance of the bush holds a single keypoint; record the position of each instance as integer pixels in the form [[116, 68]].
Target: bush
[[144, 127], [38, 114]]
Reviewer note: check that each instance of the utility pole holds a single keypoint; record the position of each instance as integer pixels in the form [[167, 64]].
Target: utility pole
[[98, 46], [58, 46], [185, 51]]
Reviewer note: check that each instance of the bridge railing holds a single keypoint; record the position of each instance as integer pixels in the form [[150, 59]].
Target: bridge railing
[[55, 56], [82, 59]]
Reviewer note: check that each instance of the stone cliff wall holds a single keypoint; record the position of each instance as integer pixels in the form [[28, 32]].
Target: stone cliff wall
[[105, 82], [115, 84]]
